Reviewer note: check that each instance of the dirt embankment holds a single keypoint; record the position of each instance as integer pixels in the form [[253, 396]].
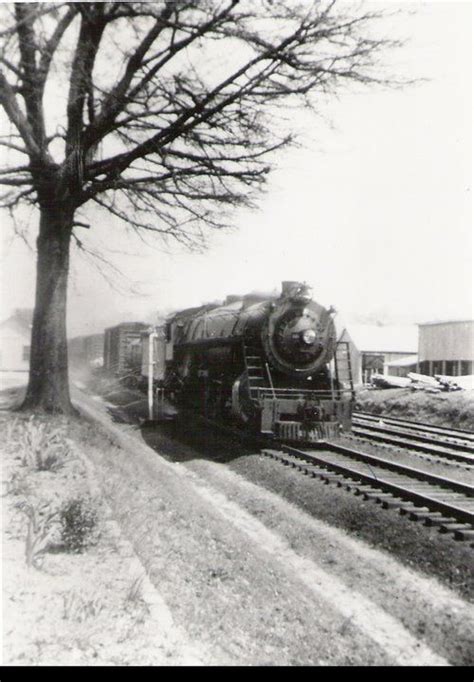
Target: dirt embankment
[[452, 409], [253, 559], [243, 574]]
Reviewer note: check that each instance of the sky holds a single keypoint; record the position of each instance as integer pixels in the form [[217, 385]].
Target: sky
[[375, 211]]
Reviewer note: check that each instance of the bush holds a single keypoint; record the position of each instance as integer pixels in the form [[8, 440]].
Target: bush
[[78, 520]]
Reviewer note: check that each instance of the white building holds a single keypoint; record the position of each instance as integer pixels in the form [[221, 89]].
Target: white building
[[381, 345], [15, 340]]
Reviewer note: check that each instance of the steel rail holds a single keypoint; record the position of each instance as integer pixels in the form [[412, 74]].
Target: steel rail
[[403, 469], [402, 431], [417, 496], [437, 449], [418, 426]]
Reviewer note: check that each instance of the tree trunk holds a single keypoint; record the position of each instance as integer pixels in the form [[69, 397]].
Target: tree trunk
[[48, 386]]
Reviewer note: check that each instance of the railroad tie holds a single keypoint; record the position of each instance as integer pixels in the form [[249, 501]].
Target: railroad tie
[[464, 534], [451, 527], [437, 519], [418, 514], [406, 508], [383, 497], [391, 503], [363, 490]]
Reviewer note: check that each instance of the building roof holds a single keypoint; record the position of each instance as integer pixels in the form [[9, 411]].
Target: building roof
[[372, 338], [407, 361], [128, 326], [428, 324]]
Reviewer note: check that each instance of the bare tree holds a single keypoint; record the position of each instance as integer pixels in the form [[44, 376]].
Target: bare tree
[[162, 113]]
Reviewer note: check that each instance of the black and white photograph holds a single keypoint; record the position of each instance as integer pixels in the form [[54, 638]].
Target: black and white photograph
[[237, 334]]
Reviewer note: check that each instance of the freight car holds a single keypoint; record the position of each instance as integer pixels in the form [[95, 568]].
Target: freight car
[[271, 364], [86, 351], [122, 347]]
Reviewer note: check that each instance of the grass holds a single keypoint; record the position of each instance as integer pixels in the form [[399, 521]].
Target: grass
[[185, 554], [209, 575], [82, 606], [41, 445], [245, 607], [454, 409]]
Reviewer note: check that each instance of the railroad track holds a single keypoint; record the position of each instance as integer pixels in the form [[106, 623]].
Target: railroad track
[[448, 444], [435, 500], [419, 426]]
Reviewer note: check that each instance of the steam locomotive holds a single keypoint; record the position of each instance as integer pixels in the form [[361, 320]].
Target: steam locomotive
[[271, 364]]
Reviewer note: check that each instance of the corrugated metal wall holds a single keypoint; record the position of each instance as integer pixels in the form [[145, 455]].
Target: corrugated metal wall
[[446, 341]]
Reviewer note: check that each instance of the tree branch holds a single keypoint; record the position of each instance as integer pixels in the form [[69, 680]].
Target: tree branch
[[30, 89], [92, 27], [117, 98], [51, 46], [10, 105]]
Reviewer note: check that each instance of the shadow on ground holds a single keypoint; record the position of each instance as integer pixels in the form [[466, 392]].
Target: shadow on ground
[[186, 438], [180, 439]]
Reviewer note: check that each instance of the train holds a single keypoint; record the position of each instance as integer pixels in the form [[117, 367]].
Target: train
[[269, 364]]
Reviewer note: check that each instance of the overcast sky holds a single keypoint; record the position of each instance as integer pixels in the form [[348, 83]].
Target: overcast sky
[[375, 212]]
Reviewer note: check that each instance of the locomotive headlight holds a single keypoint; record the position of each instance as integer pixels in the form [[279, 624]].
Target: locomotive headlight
[[309, 336]]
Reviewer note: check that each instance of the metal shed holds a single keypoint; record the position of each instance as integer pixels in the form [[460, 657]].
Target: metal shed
[[446, 347]]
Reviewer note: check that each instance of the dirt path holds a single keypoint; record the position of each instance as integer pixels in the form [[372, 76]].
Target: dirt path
[[377, 624], [260, 581]]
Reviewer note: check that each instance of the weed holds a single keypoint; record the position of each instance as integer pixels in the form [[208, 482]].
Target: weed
[[18, 485], [79, 608], [41, 446], [39, 531], [135, 603], [346, 625], [134, 594], [78, 520]]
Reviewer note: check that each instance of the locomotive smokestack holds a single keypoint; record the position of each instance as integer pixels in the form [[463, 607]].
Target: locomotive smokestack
[[296, 291], [288, 287]]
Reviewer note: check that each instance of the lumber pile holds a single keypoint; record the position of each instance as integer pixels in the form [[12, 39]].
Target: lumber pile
[[422, 382]]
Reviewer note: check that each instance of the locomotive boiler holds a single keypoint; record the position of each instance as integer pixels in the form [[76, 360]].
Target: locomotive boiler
[[271, 364]]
